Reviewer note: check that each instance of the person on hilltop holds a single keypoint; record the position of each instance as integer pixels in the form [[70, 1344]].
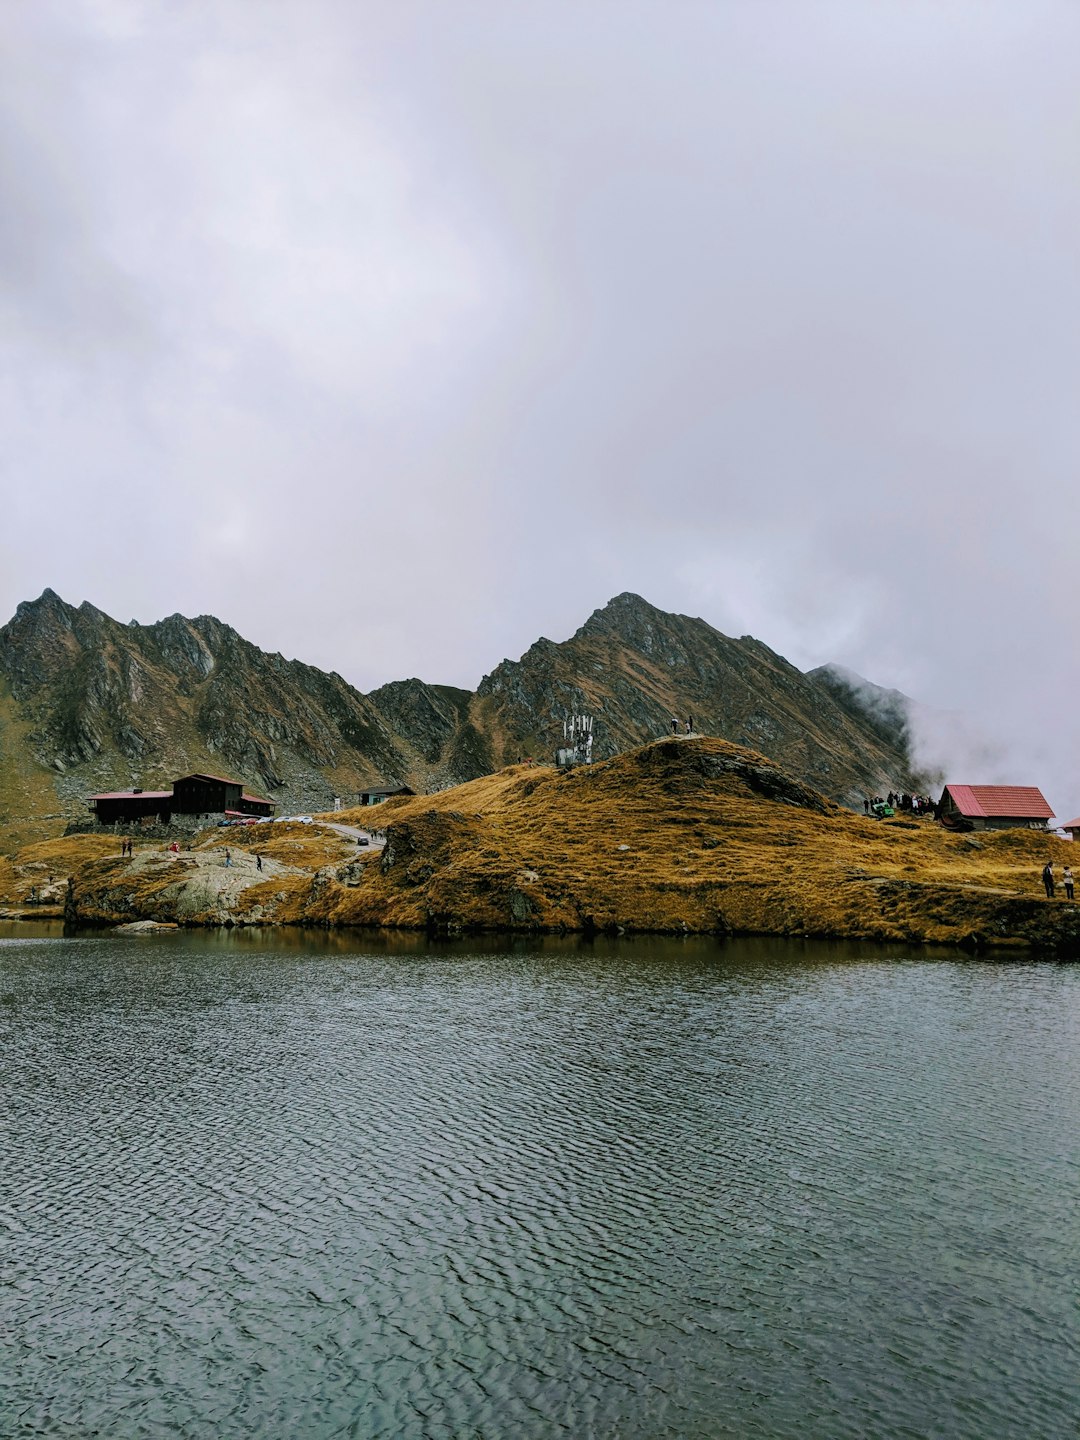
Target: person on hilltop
[[1048, 879], [674, 724], [1067, 881]]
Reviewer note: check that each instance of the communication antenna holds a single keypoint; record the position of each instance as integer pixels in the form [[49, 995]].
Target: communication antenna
[[578, 737]]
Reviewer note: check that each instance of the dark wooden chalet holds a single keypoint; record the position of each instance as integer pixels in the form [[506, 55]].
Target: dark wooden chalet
[[994, 807], [132, 807], [378, 793], [202, 797], [216, 795]]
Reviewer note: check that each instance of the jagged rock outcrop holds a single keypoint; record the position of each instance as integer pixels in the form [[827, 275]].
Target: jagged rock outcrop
[[101, 705], [634, 666]]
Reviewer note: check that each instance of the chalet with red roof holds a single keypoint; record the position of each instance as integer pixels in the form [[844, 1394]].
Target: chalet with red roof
[[195, 799], [994, 807], [1072, 828]]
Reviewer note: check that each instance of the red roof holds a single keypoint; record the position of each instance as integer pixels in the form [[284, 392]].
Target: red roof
[[1003, 802], [133, 795], [1071, 824], [256, 799]]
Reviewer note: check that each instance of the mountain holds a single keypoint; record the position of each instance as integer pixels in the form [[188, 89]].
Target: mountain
[[88, 703], [887, 712], [634, 666]]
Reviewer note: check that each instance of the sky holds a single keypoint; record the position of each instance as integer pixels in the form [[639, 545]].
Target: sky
[[398, 334]]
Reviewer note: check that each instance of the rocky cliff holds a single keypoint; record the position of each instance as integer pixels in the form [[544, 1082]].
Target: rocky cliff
[[88, 703]]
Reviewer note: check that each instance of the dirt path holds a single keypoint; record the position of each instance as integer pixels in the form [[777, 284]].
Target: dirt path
[[354, 833]]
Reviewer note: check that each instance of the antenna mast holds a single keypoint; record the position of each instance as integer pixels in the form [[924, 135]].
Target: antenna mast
[[578, 738]]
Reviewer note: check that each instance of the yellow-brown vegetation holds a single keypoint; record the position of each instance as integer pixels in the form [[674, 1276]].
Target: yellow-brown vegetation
[[693, 835], [28, 803], [678, 836]]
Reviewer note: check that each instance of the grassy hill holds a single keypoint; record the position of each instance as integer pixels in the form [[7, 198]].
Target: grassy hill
[[679, 836]]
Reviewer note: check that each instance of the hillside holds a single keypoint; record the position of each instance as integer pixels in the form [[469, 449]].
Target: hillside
[[678, 836], [634, 666], [87, 703]]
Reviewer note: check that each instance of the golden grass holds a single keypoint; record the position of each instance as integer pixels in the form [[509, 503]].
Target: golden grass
[[649, 841], [307, 846], [681, 835], [27, 791]]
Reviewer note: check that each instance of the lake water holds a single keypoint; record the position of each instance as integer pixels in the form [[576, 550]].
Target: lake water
[[306, 1186]]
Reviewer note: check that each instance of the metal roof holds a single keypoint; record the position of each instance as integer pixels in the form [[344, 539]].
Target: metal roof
[[133, 795], [1003, 802], [257, 799], [221, 779]]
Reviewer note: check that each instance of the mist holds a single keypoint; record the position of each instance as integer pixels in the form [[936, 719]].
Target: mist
[[399, 335]]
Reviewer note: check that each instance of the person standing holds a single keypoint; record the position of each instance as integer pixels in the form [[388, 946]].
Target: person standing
[[1067, 881], [1048, 879], [674, 724], [689, 724], [258, 862], [228, 857]]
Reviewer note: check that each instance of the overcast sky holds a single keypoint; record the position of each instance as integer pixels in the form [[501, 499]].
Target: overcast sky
[[397, 334]]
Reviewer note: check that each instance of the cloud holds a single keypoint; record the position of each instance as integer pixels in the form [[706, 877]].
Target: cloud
[[398, 335]]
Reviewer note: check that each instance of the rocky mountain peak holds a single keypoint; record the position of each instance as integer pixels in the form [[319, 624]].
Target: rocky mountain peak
[[632, 622], [97, 699], [626, 616]]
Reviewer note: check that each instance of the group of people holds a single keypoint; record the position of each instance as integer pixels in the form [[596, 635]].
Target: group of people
[[1051, 884], [897, 800], [677, 725]]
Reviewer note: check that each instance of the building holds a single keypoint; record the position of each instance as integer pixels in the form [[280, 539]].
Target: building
[[132, 807], [208, 795], [994, 807], [1072, 828], [378, 793], [193, 798]]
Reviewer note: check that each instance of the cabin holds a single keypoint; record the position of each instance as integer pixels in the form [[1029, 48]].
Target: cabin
[[994, 807], [1072, 828], [216, 795], [131, 807], [193, 797], [378, 793]]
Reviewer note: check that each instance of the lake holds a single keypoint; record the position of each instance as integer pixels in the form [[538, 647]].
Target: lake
[[311, 1185]]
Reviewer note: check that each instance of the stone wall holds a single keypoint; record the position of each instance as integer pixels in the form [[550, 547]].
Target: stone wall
[[177, 826]]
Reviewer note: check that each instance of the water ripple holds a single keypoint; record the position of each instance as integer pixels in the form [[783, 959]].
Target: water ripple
[[638, 1190]]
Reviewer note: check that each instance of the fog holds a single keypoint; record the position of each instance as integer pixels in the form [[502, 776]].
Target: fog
[[398, 334]]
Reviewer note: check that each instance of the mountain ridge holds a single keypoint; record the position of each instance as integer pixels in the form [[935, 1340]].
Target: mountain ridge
[[96, 704]]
